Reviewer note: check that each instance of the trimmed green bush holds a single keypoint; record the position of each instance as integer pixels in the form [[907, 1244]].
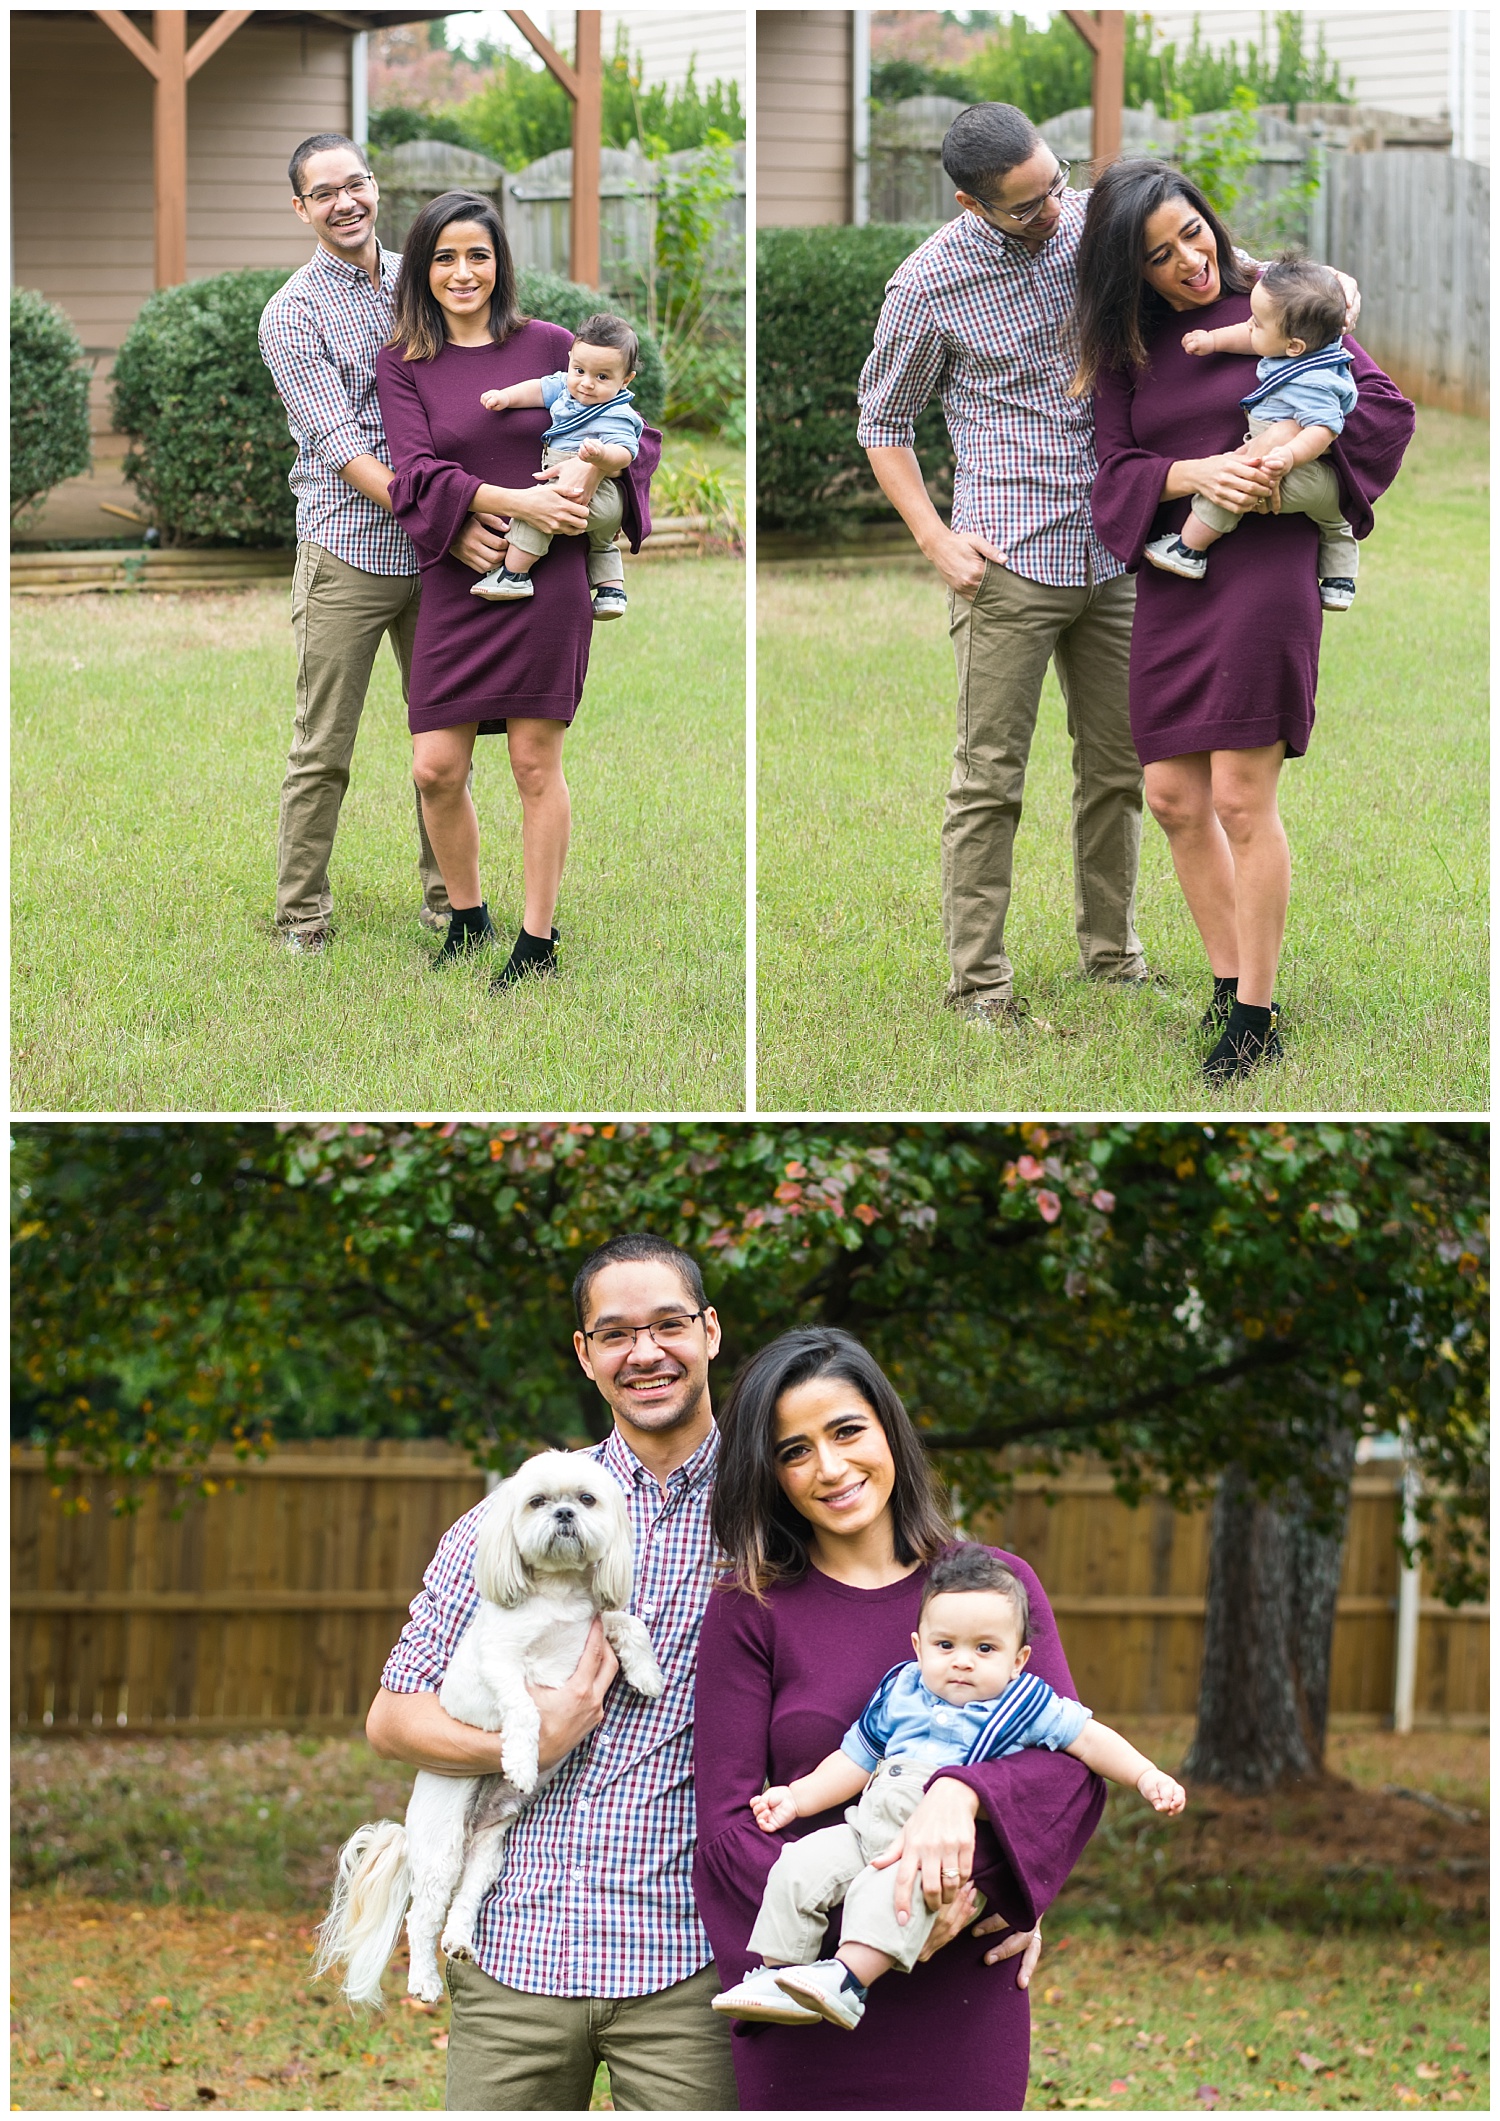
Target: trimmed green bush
[[554, 300], [211, 449], [49, 401], [818, 296]]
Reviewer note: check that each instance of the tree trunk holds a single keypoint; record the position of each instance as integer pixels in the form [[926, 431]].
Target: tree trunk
[[1273, 1580]]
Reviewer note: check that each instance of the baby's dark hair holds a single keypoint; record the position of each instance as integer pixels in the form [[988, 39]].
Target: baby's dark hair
[[1309, 298], [607, 330], [971, 1567]]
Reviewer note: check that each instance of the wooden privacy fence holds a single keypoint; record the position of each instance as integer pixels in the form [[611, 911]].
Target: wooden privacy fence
[[277, 1603], [1414, 230]]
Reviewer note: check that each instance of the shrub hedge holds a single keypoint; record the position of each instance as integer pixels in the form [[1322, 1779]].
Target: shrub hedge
[[211, 451], [818, 296], [49, 400], [558, 301]]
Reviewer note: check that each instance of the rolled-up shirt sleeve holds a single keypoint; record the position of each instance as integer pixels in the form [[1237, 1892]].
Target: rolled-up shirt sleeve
[[905, 368], [295, 349], [440, 1612]]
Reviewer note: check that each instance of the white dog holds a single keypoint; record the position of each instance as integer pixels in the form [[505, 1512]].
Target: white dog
[[554, 1549]]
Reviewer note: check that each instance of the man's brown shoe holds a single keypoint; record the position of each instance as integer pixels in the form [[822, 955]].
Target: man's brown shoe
[[308, 942]]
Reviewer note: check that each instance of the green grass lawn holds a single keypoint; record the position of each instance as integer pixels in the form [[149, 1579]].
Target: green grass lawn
[[1383, 981], [150, 738], [167, 1891]]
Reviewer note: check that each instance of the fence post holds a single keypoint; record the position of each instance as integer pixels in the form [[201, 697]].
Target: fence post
[[1408, 1605]]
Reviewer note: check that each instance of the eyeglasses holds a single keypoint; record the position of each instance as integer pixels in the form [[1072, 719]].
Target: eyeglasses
[[665, 1332], [326, 194], [1023, 216]]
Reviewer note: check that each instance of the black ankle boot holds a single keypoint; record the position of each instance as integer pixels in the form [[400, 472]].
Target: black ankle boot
[[469, 929], [1216, 1015], [530, 959], [1250, 1038]]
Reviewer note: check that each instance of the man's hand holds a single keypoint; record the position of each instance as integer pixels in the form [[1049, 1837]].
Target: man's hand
[[570, 1711], [935, 1848], [959, 557], [952, 1920], [1027, 1942], [773, 1809], [481, 543], [1352, 297]]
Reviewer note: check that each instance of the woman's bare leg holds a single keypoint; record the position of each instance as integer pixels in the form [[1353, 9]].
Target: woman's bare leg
[[1180, 793], [546, 815], [1244, 796], [440, 764]]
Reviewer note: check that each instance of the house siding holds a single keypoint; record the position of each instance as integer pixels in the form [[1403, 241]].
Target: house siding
[[713, 41], [804, 116]]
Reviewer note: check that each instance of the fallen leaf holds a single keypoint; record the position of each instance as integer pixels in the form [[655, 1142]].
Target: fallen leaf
[[1119, 2085], [82, 1981], [1457, 2047], [1093, 2048], [159, 2003], [440, 2040], [1208, 2093], [1311, 2063], [1369, 2053], [1252, 2054], [1052, 1995], [1428, 2070]]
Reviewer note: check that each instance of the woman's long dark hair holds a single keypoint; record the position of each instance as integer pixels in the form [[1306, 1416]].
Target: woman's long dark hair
[[418, 313], [761, 1537], [1115, 309]]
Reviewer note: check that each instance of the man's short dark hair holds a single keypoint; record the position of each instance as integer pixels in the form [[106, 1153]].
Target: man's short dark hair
[[316, 145], [984, 144], [636, 1247], [971, 1567], [1310, 299], [605, 329]]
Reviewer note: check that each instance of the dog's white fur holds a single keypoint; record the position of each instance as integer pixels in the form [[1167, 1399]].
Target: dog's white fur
[[554, 1549]]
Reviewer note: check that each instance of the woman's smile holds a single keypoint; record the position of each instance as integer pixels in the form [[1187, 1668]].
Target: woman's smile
[[833, 1458]]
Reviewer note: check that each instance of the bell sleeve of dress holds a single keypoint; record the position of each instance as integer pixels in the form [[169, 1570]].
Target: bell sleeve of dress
[[635, 488], [731, 1764], [1129, 481], [1038, 1808], [1368, 454], [430, 497]]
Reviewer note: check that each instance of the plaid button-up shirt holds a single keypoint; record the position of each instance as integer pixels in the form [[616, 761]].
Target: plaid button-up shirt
[[595, 1893], [978, 318], [319, 335]]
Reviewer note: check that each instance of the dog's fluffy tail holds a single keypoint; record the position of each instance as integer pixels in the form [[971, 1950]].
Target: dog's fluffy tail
[[370, 1896]]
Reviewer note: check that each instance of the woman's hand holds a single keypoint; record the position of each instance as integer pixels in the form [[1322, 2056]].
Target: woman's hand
[[936, 1846], [570, 1711], [1236, 482], [1027, 1942], [576, 476], [552, 509]]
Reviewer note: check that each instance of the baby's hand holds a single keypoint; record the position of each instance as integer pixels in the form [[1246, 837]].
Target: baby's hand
[[492, 400], [1277, 461], [773, 1809], [1160, 1790], [590, 449], [1198, 342]]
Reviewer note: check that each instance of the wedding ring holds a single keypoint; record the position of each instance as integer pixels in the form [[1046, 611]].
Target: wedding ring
[[950, 1875]]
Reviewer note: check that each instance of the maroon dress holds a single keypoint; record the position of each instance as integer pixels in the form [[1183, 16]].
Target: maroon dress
[[1230, 662], [779, 1684], [474, 661]]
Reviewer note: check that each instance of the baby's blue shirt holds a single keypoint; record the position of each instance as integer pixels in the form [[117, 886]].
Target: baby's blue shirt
[[904, 1720], [614, 423], [1315, 390]]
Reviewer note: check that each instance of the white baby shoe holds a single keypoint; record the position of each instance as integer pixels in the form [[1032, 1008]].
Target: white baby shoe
[[758, 1998], [823, 1986]]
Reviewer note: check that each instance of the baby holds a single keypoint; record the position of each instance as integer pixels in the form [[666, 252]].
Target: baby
[[591, 419], [967, 1698], [1303, 394]]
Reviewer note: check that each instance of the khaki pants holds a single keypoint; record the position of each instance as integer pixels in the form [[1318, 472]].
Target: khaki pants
[[1309, 490], [1003, 638], [339, 613], [510, 2052], [606, 512], [814, 1874]]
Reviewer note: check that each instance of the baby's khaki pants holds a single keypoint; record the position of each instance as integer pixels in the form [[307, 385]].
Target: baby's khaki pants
[[1307, 490], [816, 1873], [605, 515]]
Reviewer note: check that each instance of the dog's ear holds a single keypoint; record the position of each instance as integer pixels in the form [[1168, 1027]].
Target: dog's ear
[[500, 1573], [614, 1571]]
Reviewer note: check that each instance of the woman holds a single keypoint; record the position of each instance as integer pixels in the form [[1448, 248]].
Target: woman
[[1222, 671], [827, 1514], [481, 669]]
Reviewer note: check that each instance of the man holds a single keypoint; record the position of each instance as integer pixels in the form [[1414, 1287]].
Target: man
[[356, 573], [977, 314], [589, 1948]]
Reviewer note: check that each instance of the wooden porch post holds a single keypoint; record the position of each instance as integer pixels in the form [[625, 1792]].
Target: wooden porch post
[[1103, 32], [584, 86], [171, 66]]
